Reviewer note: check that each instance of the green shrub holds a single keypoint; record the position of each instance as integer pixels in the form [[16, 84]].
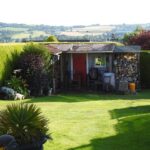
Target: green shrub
[[145, 69], [18, 84], [9, 53], [35, 63], [52, 38], [23, 121]]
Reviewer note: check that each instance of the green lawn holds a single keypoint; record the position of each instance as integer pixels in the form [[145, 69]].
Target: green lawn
[[96, 121]]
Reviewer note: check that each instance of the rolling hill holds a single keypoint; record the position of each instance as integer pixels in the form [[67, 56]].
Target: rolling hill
[[21, 32]]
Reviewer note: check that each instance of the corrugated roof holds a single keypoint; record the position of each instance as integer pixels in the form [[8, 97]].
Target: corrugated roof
[[62, 47], [125, 49], [53, 49], [91, 48]]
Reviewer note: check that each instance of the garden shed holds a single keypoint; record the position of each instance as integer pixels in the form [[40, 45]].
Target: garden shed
[[95, 66]]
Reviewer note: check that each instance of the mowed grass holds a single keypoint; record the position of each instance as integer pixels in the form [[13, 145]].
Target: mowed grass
[[96, 121]]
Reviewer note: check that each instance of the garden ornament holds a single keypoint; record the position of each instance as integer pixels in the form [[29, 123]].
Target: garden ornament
[[19, 96], [8, 142], [8, 91]]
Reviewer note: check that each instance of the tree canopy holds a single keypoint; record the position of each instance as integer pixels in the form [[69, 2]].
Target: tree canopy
[[138, 37], [52, 38]]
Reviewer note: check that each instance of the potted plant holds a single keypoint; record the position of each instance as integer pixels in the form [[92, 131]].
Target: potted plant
[[26, 124]]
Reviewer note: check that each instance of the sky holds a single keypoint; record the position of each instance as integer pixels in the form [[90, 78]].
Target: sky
[[75, 12]]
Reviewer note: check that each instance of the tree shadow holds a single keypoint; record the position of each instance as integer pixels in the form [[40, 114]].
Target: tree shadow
[[83, 97], [133, 131], [130, 111]]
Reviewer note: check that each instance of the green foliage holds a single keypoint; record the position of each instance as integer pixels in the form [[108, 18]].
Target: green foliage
[[23, 121], [18, 84], [139, 29], [145, 69], [35, 64], [52, 38], [128, 36], [9, 53], [37, 49]]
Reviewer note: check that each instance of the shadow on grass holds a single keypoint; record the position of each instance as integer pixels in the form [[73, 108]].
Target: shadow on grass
[[133, 131], [130, 111], [83, 97]]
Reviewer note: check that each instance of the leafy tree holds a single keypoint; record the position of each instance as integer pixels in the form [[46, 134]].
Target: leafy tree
[[129, 36], [52, 38], [142, 39]]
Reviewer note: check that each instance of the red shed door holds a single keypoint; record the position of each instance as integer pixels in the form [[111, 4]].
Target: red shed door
[[79, 67]]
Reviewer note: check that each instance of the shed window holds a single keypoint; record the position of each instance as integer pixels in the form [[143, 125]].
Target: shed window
[[100, 61]]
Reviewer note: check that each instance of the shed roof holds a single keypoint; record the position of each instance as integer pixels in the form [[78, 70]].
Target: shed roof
[[59, 48], [131, 49], [91, 48], [53, 49]]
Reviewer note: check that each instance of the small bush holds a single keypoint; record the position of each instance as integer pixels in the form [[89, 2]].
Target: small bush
[[18, 84], [52, 38], [35, 63], [23, 121]]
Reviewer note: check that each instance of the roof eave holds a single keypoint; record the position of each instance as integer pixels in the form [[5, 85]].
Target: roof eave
[[90, 52]]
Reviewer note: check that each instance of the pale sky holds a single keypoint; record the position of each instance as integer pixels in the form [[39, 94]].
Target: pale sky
[[75, 12]]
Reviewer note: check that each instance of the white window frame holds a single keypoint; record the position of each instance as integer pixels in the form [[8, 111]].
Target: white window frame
[[100, 66]]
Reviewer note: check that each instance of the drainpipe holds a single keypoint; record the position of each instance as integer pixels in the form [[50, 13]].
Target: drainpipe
[[87, 64], [71, 67], [54, 81]]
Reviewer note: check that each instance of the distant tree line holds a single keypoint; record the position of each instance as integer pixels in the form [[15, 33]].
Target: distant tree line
[[116, 34]]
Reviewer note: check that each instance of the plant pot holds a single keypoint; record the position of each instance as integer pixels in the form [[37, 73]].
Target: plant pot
[[37, 145], [34, 146]]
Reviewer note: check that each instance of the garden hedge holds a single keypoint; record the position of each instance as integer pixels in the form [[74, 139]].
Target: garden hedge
[[8, 55], [145, 69]]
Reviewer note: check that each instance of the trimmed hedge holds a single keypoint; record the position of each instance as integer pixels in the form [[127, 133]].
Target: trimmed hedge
[[9, 53], [145, 69]]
